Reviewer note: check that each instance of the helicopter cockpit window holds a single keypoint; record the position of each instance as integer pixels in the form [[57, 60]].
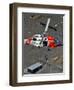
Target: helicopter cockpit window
[[34, 39]]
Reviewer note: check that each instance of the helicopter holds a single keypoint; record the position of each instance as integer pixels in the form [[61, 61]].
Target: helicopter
[[42, 40]]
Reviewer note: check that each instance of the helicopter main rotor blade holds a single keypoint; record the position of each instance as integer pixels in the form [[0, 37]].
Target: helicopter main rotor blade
[[46, 28], [43, 24]]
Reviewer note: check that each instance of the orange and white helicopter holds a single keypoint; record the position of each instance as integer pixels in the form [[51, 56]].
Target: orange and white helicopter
[[41, 40]]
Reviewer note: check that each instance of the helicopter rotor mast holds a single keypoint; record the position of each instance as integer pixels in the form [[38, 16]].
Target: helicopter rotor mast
[[47, 25]]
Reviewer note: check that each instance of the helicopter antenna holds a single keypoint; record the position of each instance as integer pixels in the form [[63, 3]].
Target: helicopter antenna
[[47, 25]]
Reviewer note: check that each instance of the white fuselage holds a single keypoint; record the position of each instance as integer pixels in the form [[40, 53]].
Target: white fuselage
[[37, 40]]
